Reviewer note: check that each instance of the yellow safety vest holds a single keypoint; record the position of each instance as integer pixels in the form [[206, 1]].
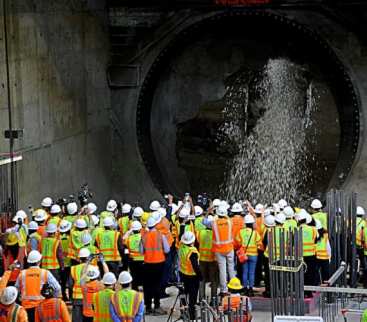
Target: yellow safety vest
[[244, 239], [205, 240], [321, 247], [361, 226], [198, 223], [184, 253], [309, 236], [76, 272], [101, 304], [123, 224], [133, 244], [322, 216], [108, 245], [49, 247], [126, 303], [276, 230], [65, 244], [290, 224]]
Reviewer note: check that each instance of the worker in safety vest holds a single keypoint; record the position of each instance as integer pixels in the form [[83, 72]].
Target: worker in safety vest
[[189, 269], [46, 205], [30, 282], [51, 308], [237, 218], [198, 223], [110, 244], [364, 245], [124, 225], [250, 240], [111, 211], [90, 284], [96, 229], [323, 252], [317, 213], [86, 240], [137, 214], [55, 215], [309, 234], [40, 216], [72, 210], [9, 310], [126, 304], [80, 226], [360, 227], [136, 258], [154, 246], [52, 254], [239, 305], [290, 222], [74, 284], [34, 238], [258, 212], [222, 245], [101, 299], [64, 230], [182, 224], [208, 264]]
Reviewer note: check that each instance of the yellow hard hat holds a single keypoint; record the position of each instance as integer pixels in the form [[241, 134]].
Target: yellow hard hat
[[144, 218], [235, 284], [11, 239], [297, 210]]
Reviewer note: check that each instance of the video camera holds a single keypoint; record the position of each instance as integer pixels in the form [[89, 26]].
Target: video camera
[[99, 257], [203, 201], [84, 195]]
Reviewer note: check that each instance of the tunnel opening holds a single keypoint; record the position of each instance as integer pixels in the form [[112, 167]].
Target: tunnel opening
[[203, 102]]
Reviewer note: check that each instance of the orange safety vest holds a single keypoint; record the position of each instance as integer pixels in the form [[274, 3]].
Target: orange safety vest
[[164, 228], [237, 224], [88, 290], [9, 313], [235, 302], [49, 310], [153, 247], [42, 231], [31, 282], [222, 235]]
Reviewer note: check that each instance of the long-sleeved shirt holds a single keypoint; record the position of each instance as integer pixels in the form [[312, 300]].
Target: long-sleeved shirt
[[165, 244], [138, 317]]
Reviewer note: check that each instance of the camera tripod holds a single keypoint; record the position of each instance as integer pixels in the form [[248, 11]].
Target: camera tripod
[[184, 309]]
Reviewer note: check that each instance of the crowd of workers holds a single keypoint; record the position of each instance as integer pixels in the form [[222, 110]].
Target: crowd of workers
[[115, 264]]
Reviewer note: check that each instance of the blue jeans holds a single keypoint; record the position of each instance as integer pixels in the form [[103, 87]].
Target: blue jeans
[[248, 275]]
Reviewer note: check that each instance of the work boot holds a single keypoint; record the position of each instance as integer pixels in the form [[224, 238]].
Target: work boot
[[159, 311]]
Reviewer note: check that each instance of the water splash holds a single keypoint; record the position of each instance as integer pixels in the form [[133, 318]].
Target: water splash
[[270, 156]]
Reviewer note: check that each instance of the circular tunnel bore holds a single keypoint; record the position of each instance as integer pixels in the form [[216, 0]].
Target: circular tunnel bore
[[248, 106]]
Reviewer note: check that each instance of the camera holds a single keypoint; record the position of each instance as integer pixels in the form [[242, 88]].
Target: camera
[[84, 195], [203, 201]]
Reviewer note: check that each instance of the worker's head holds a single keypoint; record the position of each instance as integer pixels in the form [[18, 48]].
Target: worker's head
[[316, 205], [9, 295], [55, 210], [83, 255], [65, 226], [46, 203], [86, 239], [125, 279], [188, 238], [34, 258], [51, 229], [249, 221], [136, 227], [108, 223], [93, 273], [47, 291], [109, 280], [151, 222], [72, 208], [32, 227], [234, 285], [40, 216]]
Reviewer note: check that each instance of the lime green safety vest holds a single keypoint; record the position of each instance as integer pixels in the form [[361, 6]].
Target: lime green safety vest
[[55, 220], [76, 239], [124, 224], [276, 230], [205, 240], [133, 244], [126, 303], [322, 216], [290, 224], [69, 218], [184, 253], [108, 245], [95, 232], [309, 237], [101, 305], [199, 224], [364, 316], [321, 248], [49, 253], [103, 215], [76, 273], [361, 226], [65, 244], [249, 244]]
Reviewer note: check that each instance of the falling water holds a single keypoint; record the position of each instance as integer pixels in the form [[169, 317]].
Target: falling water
[[269, 159]]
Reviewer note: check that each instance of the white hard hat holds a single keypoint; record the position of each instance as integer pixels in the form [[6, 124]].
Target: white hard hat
[[46, 202], [51, 228], [86, 238], [55, 209], [108, 221], [92, 208], [40, 215], [16, 219], [126, 208], [318, 224], [72, 208], [267, 212], [288, 212], [9, 295], [93, 272], [125, 277], [138, 212], [216, 202], [269, 221], [224, 204], [188, 237], [302, 215], [222, 211], [236, 207], [259, 208], [276, 208], [282, 203], [210, 218], [179, 203], [111, 205], [34, 257], [280, 218], [360, 211], [151, 222], [162, 211], [308, 218], [174, 208], [84, 252], [80, 223], [157, 216], [136, 225], [249, 219], [33, 225], [21, 214], [154, 205], [198, 211], [316, 204], [185, 212], [95, 219], [64, 226], [109, 278]]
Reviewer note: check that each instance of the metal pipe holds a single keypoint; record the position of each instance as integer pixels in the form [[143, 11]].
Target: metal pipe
[[337, 274]]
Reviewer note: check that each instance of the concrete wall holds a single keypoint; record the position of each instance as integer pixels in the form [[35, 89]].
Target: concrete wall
[[58, 52]]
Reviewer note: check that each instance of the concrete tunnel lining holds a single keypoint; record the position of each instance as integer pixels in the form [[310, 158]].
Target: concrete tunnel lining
[[341, 82]]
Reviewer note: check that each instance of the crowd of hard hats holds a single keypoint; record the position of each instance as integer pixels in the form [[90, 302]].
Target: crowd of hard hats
[[168, 243]]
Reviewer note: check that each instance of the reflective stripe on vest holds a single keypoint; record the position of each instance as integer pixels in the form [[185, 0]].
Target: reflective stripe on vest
[[309, 236], [184, 253], [108, 245], [101, 304], [321, 248], [126, 304], [133, 244], [76, 272], [222, 235], [205, 240], [89, 290], [153, 249], [49, 247], [251, 245], [124, 224], [49, 310], [31, 290], [65, 244], [14, 313]]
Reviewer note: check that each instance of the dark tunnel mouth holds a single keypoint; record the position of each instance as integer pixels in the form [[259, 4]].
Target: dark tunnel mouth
[[344, 91]]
